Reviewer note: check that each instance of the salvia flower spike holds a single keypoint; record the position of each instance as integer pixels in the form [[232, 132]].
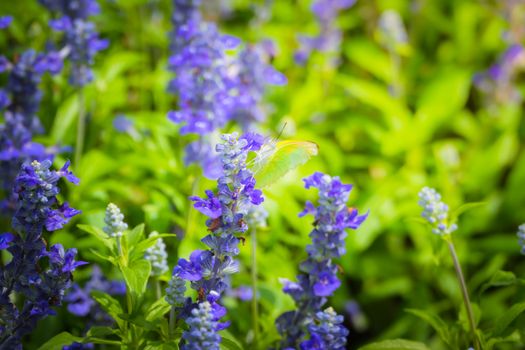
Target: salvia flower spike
[[157, 256], [435, 211], [318, 278], [40, 274]]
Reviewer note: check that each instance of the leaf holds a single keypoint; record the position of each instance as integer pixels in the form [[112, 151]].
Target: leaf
[[510, 315], [134, 236], [137, 251], [157, 309], [499, 279], [136, 276], [59, 341], [395, 344], [287, 156], [101, 331], [97, 233], [465, 207], [110, 305], [435, 321], [228, 342]]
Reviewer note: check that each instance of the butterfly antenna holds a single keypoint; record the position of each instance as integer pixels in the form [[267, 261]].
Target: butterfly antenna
[[282, 130]]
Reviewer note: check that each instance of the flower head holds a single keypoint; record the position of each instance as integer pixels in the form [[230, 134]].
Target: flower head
[[157, 256], [114, 219], [202, 334], [435, 211]]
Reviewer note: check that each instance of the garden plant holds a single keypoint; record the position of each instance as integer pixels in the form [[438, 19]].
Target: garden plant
[[266, 174]]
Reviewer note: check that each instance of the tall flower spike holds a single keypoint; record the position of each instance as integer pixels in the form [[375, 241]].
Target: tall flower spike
[[435, 211], [21, 98], [318, 277], [114, 219], [157, 256], [40, 275], [521, 238], [207, 270]]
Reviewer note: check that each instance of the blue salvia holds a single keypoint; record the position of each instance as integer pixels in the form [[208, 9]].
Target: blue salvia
[[27, 274], [318, 278]]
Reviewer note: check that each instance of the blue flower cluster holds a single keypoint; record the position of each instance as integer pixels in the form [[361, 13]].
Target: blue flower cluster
[[326, 332], [21, 101], [40, 275], [435, 211], [329, 36], [81, 304], [318, 279], [204, 325], [213, 87], [207, 269], [81, 40]]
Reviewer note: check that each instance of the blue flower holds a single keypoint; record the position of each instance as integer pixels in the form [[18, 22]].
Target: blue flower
[[39, 274], [202, 334], [81, 39], [5, 21], [318, 279]]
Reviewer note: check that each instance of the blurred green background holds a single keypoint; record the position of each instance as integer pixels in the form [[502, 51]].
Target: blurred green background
[[389, 119]]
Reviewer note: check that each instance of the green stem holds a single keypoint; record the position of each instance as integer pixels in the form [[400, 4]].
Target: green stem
[[81, 127], [255, 311], [464, 291], [172, 321], [157, 289]]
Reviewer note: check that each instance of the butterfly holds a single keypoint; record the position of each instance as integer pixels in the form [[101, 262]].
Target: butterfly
[[276, 158]]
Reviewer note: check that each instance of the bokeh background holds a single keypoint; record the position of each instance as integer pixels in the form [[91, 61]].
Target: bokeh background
[[412, 93]]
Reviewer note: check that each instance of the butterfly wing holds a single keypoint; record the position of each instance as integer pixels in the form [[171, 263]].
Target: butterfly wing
[[288, 155]]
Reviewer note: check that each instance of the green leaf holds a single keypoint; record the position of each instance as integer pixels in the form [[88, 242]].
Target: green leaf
[[137, 251], [504, 321], [229, 342], [395, 344], [435, 321], [59, 341], [465, 207], [136, 276], [157, 309], [99, 234], [275, 162], [499, 279], [136, 235], [110, 305], [101, 331]]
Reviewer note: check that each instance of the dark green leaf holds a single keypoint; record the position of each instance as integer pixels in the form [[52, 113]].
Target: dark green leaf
[[59, 341]]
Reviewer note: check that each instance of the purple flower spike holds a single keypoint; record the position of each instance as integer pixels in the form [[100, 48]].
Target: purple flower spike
[[318, 279]]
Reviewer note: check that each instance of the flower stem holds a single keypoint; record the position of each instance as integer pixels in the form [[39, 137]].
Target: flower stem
[[157, 288], [255, 311], [81, 126], [172, 321], [464, 291]]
